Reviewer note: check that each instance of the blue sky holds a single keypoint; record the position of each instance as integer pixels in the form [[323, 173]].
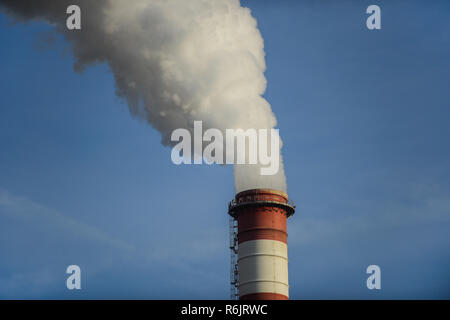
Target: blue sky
[[364, 119]]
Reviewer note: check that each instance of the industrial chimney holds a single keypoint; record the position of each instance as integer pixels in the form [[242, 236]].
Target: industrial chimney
[[259, 264]]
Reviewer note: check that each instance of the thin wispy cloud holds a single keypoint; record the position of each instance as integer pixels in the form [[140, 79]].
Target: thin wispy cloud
[[427, 204], [29, 211]]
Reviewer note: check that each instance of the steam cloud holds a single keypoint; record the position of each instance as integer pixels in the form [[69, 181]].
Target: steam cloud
[[174, 61]]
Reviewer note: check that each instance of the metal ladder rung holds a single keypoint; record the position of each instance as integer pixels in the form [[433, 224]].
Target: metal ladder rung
[[234, 274]]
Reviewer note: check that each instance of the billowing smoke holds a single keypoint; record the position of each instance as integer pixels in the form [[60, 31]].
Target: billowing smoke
[[174, 62]]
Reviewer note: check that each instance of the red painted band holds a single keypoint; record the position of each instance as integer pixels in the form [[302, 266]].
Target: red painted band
[[264, 296], [262, 234], [262, 223]]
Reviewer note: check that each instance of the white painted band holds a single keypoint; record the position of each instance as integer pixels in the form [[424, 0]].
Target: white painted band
[[263, 267]]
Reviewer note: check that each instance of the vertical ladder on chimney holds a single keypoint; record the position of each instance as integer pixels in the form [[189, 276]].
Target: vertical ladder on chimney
[[234, 275]]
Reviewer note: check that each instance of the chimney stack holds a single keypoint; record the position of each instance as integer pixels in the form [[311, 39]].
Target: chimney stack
[[262, 261]]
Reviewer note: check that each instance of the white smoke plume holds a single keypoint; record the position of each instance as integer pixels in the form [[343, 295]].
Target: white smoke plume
[[174, 61]]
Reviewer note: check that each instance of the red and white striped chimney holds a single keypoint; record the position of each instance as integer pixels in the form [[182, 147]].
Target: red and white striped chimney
[[262, 243]]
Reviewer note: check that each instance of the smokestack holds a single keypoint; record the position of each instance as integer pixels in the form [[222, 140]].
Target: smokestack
[[262, 262]]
